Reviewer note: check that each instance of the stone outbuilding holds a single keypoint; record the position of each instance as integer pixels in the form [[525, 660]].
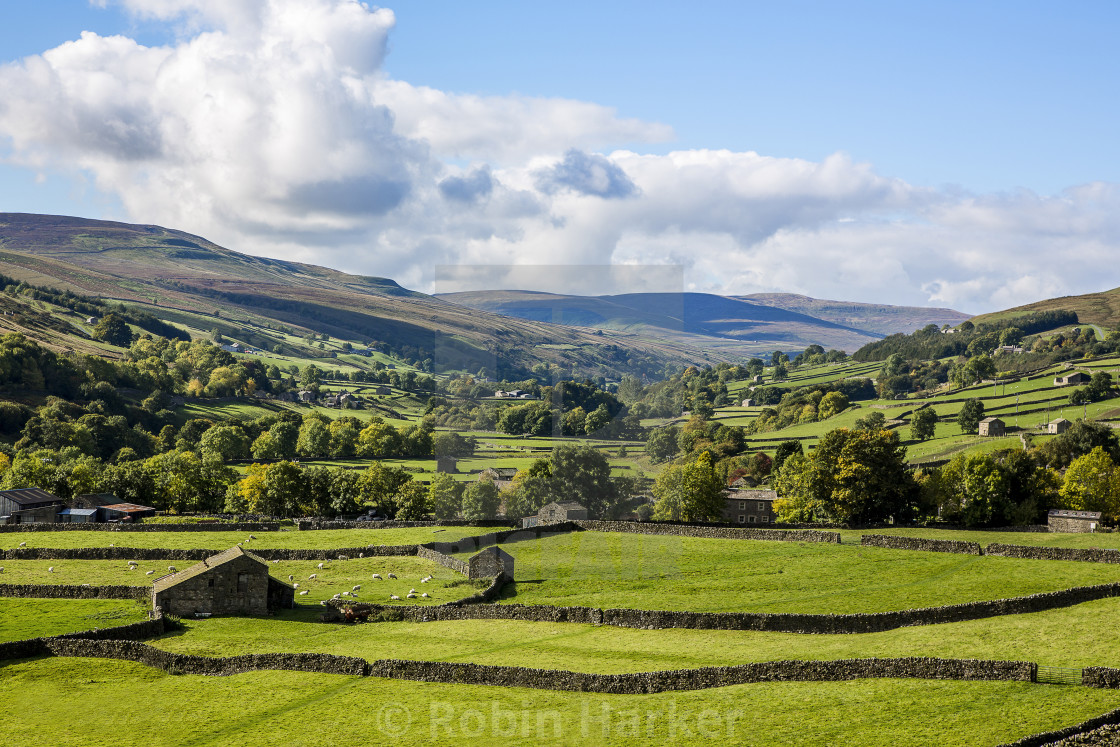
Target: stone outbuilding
[[234, 582], [1072, 379], [489, 563], [992, 427], [1061, 425], [748, 403], [1063, 520], [556, 513]]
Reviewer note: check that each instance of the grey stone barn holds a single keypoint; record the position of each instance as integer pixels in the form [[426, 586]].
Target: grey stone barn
[[234, 582], [555, 513], [1061, 425], [489, 563], [1073, 379], [1064, 520], [991, 427]]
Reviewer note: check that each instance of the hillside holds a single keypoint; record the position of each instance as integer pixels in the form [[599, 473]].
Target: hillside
[[731, 326], [1102, 309], [201, 286], [882, 319]]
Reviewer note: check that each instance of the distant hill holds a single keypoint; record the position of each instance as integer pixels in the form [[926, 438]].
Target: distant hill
[[731, 326], [869, 317], [200, 286], [1102, 309]]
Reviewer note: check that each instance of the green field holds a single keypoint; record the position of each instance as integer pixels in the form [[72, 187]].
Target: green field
[[615, 570], [31, 618], [90, 699]]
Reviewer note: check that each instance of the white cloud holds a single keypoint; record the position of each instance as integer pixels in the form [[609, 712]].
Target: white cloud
[[269, 126]]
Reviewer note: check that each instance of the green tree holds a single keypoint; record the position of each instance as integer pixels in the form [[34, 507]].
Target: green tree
[[689, 492], [661, 446], [314, 439], [445, 497], [481, 500], [785, 450], [412, 502], [226, 442], [922, 424], [831, 404], [977, 488], [972, 412], [113, 330], [1092, 483]]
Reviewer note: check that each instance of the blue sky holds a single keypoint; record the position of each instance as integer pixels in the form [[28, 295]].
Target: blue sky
[[933, 153]]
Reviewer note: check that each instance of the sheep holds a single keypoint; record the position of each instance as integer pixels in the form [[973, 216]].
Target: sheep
[[252, 537], [411, 596], [323, 603], [392, 575], [425, 580], [23, 544], [337, 596], [312, 576], [357, 588], [303, 592], [320, 566], [343, 557], [295, 586], [51, 569], [149, 573], [377, 577], [291, 577], [412, 591], [171, 568], [361, 555], [394, 597], [133, 562], [426, 595], [111, 545]]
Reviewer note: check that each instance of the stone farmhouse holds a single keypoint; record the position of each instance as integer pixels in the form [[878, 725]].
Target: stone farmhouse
[[1072, 379], [992, 427], [1061, 425], [1062, 520], [502, 477], [556, 513], [750, 506], [234, 582]]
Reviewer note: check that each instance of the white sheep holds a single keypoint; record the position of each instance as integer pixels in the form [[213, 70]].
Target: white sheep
[[323, 603], [149, 573], [23, 544], [320, 566], [392, 575], [412, 591], [1, 569], [111, 545], [361, 555], [51, 569], [313, 575], [291, 577], [252, 537], [295, 586], [394, 597], [133, 562], [377, 576], [357, 588], [337, 596], [171, 568], [411, 596], [303, 592], [343, 557], [426, 595]]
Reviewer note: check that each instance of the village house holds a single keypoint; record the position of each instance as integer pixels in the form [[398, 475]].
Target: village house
[[234, 582], [306, 396], [1059, 426], [991, 427], [502, 477], [1062, 520], [750, 507], [1072, 379]]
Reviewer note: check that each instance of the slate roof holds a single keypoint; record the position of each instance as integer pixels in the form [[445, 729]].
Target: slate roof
[[1067, 514], [127, 507], [165, 582], [79, 511], [25, 496]]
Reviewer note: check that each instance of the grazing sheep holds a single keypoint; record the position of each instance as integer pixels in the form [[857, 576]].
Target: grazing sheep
[[392, 575], [343, 557], [361, 555], [377, 576], [412, 591], [411, 596], [295, 586], [320, 566], [303, 592], [313, 575], [426, 595], [111, 545], [252, 537], [171, 568], [51, 569], [337, 596], [394, 597], [23, 544], [357, 588], [133, 562], [291, 577], [149, 573]]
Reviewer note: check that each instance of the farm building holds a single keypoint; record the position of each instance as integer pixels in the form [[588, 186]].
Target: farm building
[[234, 582], [555, 513], [126, 512], [29, 506], [489, 563], [991, 427], [501, 476], [1061, 425], [1072, 379], [1062, 520], [383, 390], [77, 515], [750, 506], [748, 403]]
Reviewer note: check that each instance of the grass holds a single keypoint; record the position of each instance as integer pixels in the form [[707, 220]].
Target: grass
[[89, 706], [1037, 539], [335, 578], [319, 539], [1069, 637], [615, 570], [32, 618]]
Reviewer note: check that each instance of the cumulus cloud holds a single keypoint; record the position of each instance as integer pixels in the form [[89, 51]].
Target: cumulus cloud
[[270, 127]]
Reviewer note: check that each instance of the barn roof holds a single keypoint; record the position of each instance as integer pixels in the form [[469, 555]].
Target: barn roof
[[127, 507], [26, 496], [235, 552]]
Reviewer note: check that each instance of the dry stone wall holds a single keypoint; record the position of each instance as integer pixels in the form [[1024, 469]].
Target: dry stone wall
[[1101, 677], [74, 591], [245, 526], [314, 524], [134, 553], [1099, 730], [709, 532], [1053, 553], [915, 543]]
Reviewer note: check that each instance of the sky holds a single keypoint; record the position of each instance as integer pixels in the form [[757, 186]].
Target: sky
[[943, 153]]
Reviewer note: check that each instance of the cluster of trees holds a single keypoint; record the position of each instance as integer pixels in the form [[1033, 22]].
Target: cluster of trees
[[859, 476], [570, 473], [693, 438]]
